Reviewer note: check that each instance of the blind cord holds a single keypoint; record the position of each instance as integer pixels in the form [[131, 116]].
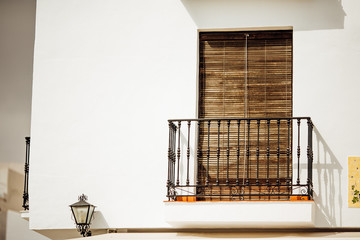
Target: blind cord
[[245, 102]]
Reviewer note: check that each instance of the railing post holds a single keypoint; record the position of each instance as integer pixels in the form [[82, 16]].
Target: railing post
[[188, 155], [26, 181], [248, 153], [171, 160], [288, 153], [168, 183], [257, 152], [199, 153], [208, 153], [310, 158], [238, 152], [178, 155], [278, 152], [268, 152], [298, 154], [228, 152], [218, 153], [173, 154]]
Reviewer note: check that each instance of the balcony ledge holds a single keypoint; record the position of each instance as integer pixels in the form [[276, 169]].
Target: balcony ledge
[[25, 215], [244, 214]]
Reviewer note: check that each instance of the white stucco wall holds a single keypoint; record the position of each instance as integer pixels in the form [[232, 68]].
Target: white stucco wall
[[108, 75]]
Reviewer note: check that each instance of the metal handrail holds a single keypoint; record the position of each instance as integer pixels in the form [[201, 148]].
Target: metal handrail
[[225, 119]]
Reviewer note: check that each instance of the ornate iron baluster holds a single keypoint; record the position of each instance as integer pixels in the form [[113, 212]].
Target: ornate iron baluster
[[208, 153], [298, 154], [288, 154], [268, 152], [228, 152], [188, 155], [173, 153], [26, 180], [238, 153], [248, 153], [198, 152], [278, 153], [310, 158], [257, 152], [178, 155], [218, 153], [171, 158]]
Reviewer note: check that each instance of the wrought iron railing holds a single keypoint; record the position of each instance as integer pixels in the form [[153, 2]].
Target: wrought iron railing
[[240, 159], [26, 181]]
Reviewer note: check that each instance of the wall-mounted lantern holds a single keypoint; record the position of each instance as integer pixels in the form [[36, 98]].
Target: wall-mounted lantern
[[83, 213]]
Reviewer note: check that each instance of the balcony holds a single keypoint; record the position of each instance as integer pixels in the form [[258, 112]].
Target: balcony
[[237, 159]]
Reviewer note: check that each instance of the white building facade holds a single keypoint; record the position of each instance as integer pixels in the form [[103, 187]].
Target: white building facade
[[109, 74]]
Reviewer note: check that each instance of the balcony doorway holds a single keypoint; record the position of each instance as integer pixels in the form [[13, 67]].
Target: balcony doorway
[[245, 80]]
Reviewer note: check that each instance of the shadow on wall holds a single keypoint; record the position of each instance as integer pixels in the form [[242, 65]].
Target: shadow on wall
[[327, 184], [99, 222], [302, 14]]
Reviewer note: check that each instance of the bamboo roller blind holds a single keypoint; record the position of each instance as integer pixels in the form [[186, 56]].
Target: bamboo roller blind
[[244, 77]]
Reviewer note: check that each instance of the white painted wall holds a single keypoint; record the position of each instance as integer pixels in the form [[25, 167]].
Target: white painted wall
[[108, 74]]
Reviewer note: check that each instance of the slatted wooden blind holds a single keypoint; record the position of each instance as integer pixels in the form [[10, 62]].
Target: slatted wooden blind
[[244, 74]]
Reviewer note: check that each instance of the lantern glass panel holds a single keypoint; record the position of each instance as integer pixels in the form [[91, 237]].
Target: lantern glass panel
[[91, 212], [81, 214]]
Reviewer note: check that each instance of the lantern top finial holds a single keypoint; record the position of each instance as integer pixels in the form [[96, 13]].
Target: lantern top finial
[[83, 197]]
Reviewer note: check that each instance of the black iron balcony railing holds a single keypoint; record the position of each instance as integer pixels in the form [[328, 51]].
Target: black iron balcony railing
[[240, 159], [26, 181]]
